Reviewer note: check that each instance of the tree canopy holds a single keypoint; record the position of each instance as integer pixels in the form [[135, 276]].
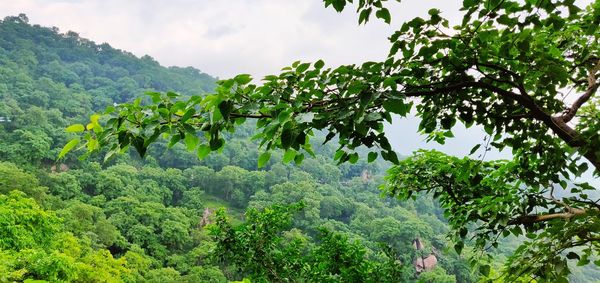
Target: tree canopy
[[524, 71]]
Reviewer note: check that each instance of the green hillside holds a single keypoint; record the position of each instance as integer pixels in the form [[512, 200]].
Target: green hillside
[[172, 217]]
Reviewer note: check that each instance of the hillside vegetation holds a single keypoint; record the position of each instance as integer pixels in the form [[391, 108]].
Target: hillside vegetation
[[172, 217]]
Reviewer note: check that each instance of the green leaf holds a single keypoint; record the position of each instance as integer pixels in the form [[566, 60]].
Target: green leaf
[[77, 128], [242, 79], [191, 141], [572, 255], [364, 16], [155, 96], [216, 143], [284, 116], [68, 147], [263, 159], [353, 158], [584, 260], [110, 154], [188, 114], [94, 118], [138, 144], [384, 14], [469, 3], [225, 108], [109, 109], [458, 247], [563, 184], [474, 149], [288, 156], [489, 129], [92, 144], [287, 138], [338, 5], [174, 139], [203, 151], [302, 68], [338, 154], [319, 64], [485, 270], [390, 156], [372, 156], [433, 12], [396, 106], [298, 159]]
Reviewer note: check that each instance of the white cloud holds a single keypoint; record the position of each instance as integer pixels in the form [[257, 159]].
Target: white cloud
[[219, 37]]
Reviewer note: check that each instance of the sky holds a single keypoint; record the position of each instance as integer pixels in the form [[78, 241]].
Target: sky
[[224, 38], [259, 37]]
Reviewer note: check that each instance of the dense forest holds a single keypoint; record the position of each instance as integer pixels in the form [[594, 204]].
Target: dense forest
[[171, 217]]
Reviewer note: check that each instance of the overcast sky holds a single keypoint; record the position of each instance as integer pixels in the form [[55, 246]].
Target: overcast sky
[[224, 38]]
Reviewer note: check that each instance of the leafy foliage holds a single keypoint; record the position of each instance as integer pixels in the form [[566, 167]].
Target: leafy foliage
[[262, 249], [483, 200], [507, 67], [32, 246]]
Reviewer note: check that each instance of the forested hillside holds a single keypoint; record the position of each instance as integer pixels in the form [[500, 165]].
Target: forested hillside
[[172, 217]]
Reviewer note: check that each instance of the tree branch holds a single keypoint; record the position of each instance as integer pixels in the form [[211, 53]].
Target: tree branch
[[556, 124], [254, 116], [591, 89], [537, 218], [499, 68]]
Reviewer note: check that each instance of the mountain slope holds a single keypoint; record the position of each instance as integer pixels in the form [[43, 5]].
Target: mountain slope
[[49, 79]]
